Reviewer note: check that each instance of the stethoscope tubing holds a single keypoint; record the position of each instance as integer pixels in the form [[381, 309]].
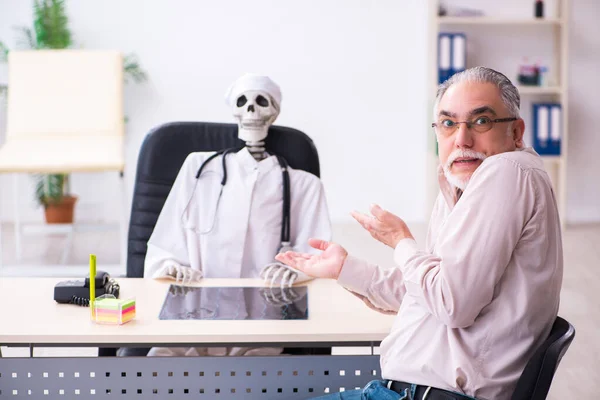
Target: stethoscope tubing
[[285, 176]]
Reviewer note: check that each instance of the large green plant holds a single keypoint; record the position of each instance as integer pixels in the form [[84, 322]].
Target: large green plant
[[51, 31]]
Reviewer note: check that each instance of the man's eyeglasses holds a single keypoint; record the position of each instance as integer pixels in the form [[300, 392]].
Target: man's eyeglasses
[[447, 127]]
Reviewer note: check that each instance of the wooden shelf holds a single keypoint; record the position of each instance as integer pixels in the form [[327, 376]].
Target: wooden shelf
[[540, 89], [552, 159], [498, 21]]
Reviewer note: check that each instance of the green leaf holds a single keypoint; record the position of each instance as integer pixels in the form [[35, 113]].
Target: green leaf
[[3, 52], [50, 188], [133, 70], [25, 39]]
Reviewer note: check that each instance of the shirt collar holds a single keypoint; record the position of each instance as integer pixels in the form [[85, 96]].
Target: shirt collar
[[249, 163], [450, 192]]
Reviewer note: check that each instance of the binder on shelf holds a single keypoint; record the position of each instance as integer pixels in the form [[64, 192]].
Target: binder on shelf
[[555, 123], [459, 52], [547, 128], [452, 54], [444, 54]]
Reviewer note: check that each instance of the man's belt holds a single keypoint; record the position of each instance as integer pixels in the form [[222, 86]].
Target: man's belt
[[425, 392]]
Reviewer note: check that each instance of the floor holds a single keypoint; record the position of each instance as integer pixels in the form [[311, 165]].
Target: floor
[[578, 375]]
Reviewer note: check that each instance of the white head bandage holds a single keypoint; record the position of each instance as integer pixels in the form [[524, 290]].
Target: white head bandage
[[255, 101]]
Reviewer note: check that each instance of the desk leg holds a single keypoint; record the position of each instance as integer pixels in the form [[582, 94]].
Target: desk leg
[[123, 223], [68, 246], [17, 214], [1, 254]]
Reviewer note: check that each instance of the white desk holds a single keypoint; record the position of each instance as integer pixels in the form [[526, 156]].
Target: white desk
[[29, 316]]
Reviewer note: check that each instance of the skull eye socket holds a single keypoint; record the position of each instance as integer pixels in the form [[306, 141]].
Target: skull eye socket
[[241, 101], [261, 101]]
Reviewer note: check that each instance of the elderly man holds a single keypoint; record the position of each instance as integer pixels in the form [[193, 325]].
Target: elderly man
[[476, 303]]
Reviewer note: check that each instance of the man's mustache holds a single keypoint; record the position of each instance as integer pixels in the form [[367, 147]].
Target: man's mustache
[[464, 154]]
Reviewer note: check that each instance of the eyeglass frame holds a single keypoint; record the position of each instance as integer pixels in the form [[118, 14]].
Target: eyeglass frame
[[470, 123]]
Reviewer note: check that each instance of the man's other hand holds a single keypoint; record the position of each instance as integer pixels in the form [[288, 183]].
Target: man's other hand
[[384, 226], [328, 264]]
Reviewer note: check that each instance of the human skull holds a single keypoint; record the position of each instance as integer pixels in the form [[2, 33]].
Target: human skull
[[255, 111]]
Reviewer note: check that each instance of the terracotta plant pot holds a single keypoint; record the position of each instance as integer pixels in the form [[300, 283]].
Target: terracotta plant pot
[[61, 212]]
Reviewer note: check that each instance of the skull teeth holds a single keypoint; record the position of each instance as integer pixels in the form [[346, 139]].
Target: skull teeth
[[253, 124]]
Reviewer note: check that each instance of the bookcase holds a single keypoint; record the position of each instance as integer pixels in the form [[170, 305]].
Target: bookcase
[[501, 42]]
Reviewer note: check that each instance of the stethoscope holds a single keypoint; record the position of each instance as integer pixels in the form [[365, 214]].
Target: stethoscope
[[285, 224]]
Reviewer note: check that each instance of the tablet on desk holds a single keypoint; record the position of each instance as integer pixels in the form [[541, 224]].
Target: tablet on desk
[[235, 303]]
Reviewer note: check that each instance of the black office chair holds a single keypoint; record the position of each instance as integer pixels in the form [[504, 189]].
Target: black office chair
[[161, 156], [536, 378]]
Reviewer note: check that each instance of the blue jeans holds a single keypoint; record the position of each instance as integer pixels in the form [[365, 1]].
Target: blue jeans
[[375, 390]]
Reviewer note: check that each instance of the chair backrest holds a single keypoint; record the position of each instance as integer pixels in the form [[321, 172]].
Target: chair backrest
[[536, 378], [65, 93], [162, 154], [65, 112]]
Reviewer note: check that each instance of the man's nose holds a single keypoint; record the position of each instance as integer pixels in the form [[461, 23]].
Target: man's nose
[[463, 137]]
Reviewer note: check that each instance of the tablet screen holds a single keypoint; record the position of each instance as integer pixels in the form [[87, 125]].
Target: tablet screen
[[235, 303]]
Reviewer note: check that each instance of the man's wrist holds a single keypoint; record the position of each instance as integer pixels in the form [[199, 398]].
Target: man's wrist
[[401, 237]]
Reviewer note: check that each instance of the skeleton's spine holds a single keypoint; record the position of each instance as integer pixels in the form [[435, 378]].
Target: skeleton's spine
[[257, 150]]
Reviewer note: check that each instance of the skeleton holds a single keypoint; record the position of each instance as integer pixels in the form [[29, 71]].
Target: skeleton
[[255, 111]]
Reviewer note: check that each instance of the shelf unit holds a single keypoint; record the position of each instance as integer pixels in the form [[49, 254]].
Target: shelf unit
[[557, 92], [533, 90], [496, 21]]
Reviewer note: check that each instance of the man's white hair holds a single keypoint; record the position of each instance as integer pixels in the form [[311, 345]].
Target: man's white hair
[[508, 92]]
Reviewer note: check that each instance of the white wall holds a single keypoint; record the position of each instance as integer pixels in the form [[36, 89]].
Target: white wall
[[584, 124], [352, 75]]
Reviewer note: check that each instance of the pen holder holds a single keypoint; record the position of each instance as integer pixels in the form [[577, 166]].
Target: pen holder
[[112, 311]]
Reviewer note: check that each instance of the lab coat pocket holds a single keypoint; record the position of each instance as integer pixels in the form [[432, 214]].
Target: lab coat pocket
[[200, 214]]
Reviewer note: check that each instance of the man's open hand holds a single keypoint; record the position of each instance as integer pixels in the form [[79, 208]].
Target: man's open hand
[[328, 264], [384, 226]]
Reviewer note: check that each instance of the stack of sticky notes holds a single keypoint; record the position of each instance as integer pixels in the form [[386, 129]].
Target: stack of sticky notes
[[110, 310]]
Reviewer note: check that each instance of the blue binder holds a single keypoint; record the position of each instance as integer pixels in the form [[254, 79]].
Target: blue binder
[[444, 56], [452, 54], [547, 128]]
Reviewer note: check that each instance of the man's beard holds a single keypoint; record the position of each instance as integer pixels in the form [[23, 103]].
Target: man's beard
[[460, 183]]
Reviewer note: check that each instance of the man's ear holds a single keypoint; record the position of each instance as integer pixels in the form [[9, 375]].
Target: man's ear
[[517, 132]]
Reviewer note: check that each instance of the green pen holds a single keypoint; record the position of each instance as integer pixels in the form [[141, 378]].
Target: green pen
[[92, 284]]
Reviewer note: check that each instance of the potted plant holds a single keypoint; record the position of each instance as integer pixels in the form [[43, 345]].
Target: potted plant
[[51, 31], [52, 191]]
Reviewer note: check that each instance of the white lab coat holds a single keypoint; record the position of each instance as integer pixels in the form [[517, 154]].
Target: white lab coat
[[244, 233], [246, 228]]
